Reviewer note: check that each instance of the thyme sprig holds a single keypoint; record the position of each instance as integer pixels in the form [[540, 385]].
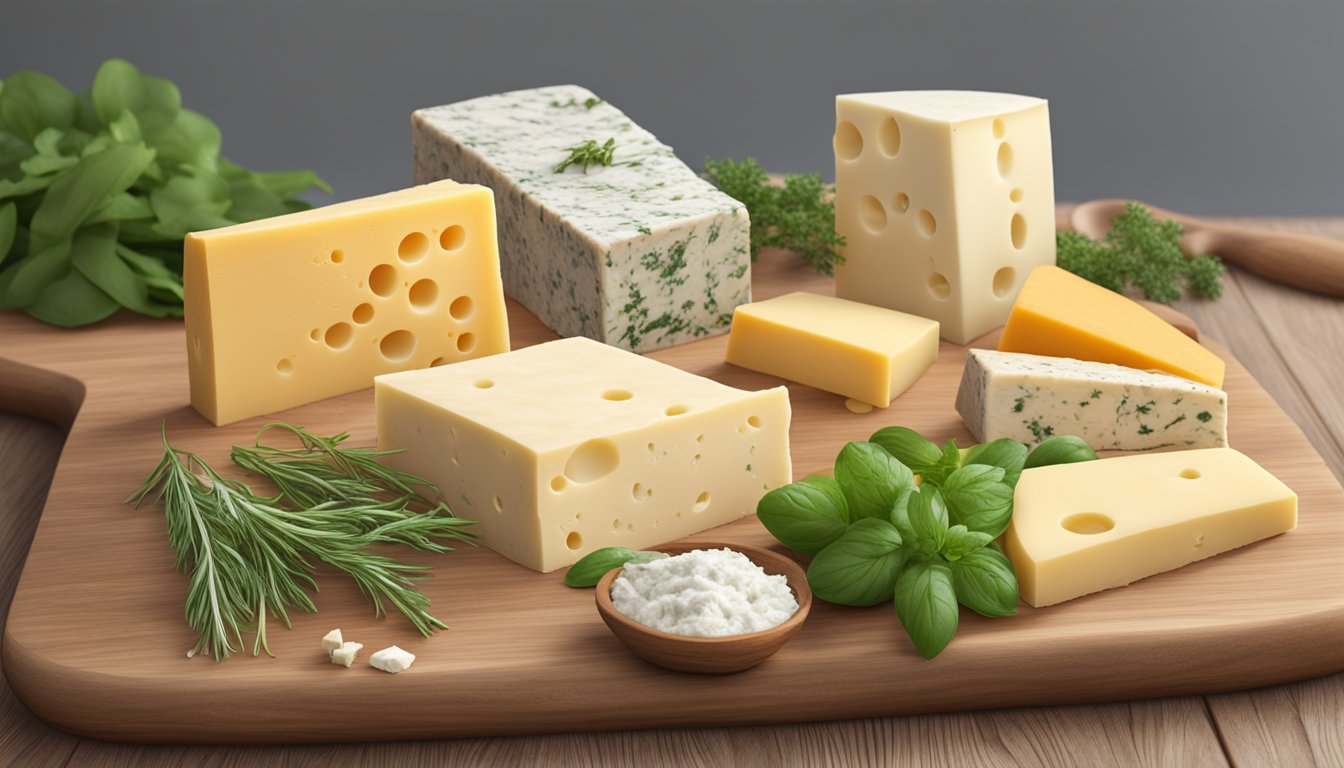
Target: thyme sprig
[[588, 153]]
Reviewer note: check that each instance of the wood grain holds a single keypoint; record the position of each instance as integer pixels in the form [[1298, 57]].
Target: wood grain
[[527, 655]]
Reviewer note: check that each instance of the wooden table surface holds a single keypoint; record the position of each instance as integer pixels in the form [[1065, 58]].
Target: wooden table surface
[[1293, 342]]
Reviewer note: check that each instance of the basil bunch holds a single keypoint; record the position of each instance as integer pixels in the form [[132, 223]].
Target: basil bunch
[[878, 536], [98, 189]]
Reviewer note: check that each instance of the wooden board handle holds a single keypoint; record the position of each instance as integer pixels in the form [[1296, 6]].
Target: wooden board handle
[[1302, 261]]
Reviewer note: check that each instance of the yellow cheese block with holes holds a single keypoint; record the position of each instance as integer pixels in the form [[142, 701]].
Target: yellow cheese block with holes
[[860, 351], [566, 447], [1081, 528], [297, 308], [1062, 315]]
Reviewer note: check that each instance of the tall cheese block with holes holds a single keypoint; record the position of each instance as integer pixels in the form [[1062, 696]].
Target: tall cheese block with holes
[[946, 200], [641, 254], [288, 310], [566, 447]]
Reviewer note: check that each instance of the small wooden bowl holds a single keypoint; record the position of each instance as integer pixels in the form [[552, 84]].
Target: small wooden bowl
[[709, 655]]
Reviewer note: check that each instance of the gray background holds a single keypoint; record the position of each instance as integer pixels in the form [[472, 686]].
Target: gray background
[[1201, 106]]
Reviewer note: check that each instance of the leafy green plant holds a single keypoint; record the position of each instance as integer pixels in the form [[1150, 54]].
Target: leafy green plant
[[877, 535], [798, 215], [1143, 252], [99, 188], [588, 153], [593, 566]]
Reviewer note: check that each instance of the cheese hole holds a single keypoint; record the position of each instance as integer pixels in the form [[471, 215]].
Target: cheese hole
[[925, 223], [615, 523], [617, 395], [754, 422], [848, 141], [337, 256], [1018, 229], [285, 367], [315, 335], [466, 342], [483, 383], [939, 287], [573, 540], [1004, 279], [998, 128], [383, 280], [461, 308], [397, 346], [559, 484], [902, 202], [1190, 474], [695, 459], [638, 491], [1016, 195], [700, 438], [701, 502], [677, 410], [423, 294], [452, 238], [592, 461], [889, 137], [1088, 523], [362, 314], [338, 336], [872, 214], [1005, 159], [413, 247], [436, 362], [499, 504]]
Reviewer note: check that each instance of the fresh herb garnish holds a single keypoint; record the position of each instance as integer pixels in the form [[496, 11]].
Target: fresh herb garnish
[[1143, 252], [878, 536], [98, 189], [249, 555], [588, 153], [798, 216], [593, 566]]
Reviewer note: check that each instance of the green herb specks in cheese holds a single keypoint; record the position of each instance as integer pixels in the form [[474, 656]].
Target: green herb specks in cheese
[[641, 253], [1030, 398]]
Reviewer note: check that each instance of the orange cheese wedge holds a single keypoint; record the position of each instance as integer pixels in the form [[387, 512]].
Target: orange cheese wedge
[[1060, 314]]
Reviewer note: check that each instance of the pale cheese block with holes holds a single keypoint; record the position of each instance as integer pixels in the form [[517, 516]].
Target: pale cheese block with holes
[[566, 447], [868, 353], [1031, 398], [297, 308], [1085, 527], [946, 200], [641, 254]]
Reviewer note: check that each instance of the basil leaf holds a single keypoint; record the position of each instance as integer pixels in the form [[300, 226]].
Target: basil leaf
[[190, 202], [25, 186], [126, 129], [31, 102], [860, 567], [947, 463], [119, 87], [922, 519], [871, 480], [926, 603], [83, 189], [908, 446], [593, 566], [25, 280], [95, 256], [1005, 453], [291, 183], [960, 542], [192, 139], [806, 516], [1061, 449], [978, 499], [986, 583], [9, 226], [70, 302], [121, 207]]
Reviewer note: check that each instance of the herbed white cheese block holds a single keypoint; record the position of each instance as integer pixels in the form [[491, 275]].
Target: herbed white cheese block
[[641, 254], [1032, 397]]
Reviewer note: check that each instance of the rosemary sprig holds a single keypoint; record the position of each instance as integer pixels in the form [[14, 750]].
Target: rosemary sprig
[[588, 153], [248, 556]]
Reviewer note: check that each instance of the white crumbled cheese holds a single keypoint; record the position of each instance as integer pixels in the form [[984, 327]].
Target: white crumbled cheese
[[703, 593], [345, 655], [391, 659], [332, 641]]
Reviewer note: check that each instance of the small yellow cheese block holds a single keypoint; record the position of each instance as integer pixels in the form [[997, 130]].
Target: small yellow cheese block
[[297, 308], [867, 353], [1060, 314], [562, 448], [1081, 528]]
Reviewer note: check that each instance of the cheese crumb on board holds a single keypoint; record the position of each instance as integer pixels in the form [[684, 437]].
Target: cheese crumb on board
[[641, 254], [331, 641], [345, 655], [392, 659]]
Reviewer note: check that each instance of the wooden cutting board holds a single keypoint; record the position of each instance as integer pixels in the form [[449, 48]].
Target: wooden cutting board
[[96, 642]]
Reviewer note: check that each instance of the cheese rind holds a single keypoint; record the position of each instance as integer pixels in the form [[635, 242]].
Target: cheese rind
[[1082, 528], [1030, 398], [1062, 315], [296, 308], [945, 200], [566, 447], [857, 350], [641, 254]]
